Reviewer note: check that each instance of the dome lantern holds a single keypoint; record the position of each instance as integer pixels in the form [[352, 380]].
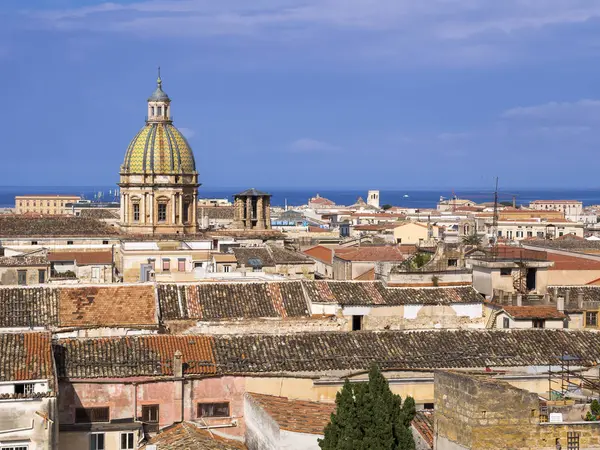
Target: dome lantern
[[159, 103]]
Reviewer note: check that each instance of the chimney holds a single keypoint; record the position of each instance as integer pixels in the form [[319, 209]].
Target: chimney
[[580, 300], [177, 365], [567, 296], [501, 292], [519, 300], [560, 304]]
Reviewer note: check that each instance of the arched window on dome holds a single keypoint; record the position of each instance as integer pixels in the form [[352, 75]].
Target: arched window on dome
[[186, 211], [159, 113], [152, 108]]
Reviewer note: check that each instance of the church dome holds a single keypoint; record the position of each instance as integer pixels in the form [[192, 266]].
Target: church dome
[[160, 148]]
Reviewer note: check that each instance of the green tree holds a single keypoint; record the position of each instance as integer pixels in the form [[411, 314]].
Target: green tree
[[472, 239], [370, 417], [386, 206]]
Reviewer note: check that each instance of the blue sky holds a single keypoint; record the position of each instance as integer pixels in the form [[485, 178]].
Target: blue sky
[[308, 93]]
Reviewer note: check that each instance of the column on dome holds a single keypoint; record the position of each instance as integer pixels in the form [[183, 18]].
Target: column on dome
[[143, 208], [173, 209], [194, 218]]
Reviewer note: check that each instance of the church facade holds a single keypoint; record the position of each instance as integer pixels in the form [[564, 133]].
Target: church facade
[[158, 177]]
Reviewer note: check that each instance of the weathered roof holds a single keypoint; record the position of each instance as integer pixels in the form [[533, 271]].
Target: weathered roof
[[327, 351], [268, 256], [321, 253], [130, 356], [534, 312], [26, 356], [51, 226], [100, 213], [252, 193], [187, 436], [374, 253], [375, 293], [423, 423], [588, 293], [215, 301], [299, 416], [224, 257], [23, 261], [216, 212], [82, 258], [78, 306]]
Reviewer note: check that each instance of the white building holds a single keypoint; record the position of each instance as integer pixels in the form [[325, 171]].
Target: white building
[[537, 228], [572, 209]]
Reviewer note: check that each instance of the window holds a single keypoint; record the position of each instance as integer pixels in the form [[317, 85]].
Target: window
[[136, 212], [572, 440], [14, 447], [22, 277], [530, 234], [428, 406], [104, 242], [127, 440], [499, 233], [25, 388], [591, 318], [150, 413], [34, 242], [69, 242], [227, 269], [162, 212], [159, 109], [186, 212], [152, 262], [152, 109], [539, 323], [506, 322], [166, 265], [565, 323], [41, 276], [95, 273], [357, 323], [213, 409], [181, 265], [97, 441], [506, 271], [452, 262], [560, 233], [90, 415], [519, 234]]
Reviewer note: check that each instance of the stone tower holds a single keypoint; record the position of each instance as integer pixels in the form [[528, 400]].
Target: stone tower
[[252, 210], [158, 177], [373, 198]]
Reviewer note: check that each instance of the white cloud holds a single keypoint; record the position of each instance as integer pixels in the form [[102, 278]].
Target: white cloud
[[187, 132], [307, 145], [399, 31]]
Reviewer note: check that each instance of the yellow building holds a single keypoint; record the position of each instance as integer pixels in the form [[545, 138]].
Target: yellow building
[[44, 204], [415, 233], [158, 176]]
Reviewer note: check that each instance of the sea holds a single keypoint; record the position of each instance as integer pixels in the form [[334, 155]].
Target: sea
[[297, 197]]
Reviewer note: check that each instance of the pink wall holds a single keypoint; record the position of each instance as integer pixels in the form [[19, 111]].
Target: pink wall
[[119, 397]]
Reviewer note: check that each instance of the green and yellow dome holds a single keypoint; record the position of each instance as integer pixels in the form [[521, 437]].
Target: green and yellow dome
[[159, 148]]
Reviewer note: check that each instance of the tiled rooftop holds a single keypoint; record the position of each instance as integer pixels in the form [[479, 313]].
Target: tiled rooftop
[[23, 261], [26, 356], [82, 258], [534, 312], [375, 253], [131, 356], [331, 351], [100, 213], [214, 301], [298, 416], [588, 293], [216, 212], [269, 255], [187, 436], [375, 293], [53, 226], [78, 306], [423, 423]]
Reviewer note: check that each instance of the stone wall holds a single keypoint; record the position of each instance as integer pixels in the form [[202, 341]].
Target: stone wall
[[482, 413], [256, 326], [10, 276]]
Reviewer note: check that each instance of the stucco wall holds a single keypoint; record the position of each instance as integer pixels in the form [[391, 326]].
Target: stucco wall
[[32, 428], [9, 275], [571, 277]]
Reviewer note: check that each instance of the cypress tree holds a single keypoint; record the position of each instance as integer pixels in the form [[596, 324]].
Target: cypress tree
[[370, 417]]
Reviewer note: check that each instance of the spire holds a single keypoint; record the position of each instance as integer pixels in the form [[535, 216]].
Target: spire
[[159, 80]]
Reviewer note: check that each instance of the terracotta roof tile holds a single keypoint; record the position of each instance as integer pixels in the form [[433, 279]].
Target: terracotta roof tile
[[82, 258], [132, 356], [187, 436], [351, 351], [107, 306], [295, 415], [423, 423], [320, 252], [534, 312], [49, 226], [369, 275], [216, 301], [26, 356], [375, 253]]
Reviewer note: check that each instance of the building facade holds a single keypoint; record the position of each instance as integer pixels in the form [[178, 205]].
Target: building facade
[[158, 178], [252, 210], [44, 204]]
